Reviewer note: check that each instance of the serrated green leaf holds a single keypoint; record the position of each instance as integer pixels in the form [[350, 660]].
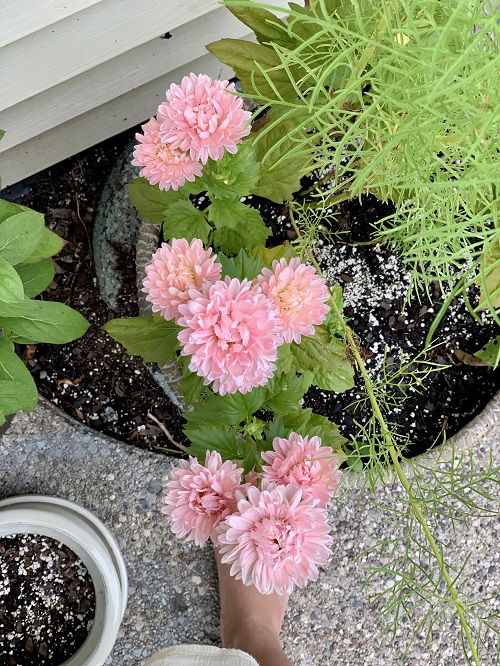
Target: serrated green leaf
[[285, 394], [331, 321], [183, 220], [277, 181], [152, 338], [11, 286], [8, 209], [50, 244], [269, 254], [247, 235], [233, 176], [285, 359], [151, 202], [267, 27], [20, 235], [191, 387], [230, 409], [242, 266], [36, 277], [490, 353], [17, 388], [229, 213], [43, 320], [248, 60], [212, 438], [308, 424]]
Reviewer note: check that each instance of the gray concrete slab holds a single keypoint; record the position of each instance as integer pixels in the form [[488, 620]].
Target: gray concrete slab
[[173, 595]]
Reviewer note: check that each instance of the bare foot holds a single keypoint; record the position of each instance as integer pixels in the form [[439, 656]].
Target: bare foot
[[250, 621]]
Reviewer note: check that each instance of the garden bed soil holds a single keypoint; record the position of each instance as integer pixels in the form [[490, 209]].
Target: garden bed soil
[[95, 381], [47, 601]]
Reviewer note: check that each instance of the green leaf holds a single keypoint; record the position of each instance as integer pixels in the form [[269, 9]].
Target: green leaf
[[266, 26], [36, 277], [183, 220], [153, 338], [11, 286], [248, 60], [277, 182], [191, 386], [49, 245], [233, 176], [8, 209], [490, 353], [212, 438], [285, 360], [242, 266], [20, 235], [286, 394], [43, 321], [269, 254], [230, 409], [308, 424], [150, 201], [247, 234], [489, 279], [228, 213], [17, 388]]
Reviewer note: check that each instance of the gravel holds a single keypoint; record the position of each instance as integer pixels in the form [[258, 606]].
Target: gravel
[[173, 594]]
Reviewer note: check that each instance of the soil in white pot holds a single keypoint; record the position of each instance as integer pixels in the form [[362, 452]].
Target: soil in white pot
[[47, 601]]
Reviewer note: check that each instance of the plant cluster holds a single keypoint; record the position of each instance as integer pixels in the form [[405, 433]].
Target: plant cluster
[[26, 270]]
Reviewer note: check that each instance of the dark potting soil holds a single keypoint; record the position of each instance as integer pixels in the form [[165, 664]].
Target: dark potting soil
[[95, 381], [47, 601]]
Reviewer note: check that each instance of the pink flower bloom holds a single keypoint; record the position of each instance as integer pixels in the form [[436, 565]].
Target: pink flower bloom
[[276, 539], [176, 269], [199, 496], [201, 117], [162, 164], [304, 463], [298, 293], [232, 332]]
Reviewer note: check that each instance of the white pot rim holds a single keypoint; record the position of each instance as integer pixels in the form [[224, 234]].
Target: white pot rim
[[82, 532]]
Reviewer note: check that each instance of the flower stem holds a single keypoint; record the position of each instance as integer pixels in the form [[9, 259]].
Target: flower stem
[[395, 456]]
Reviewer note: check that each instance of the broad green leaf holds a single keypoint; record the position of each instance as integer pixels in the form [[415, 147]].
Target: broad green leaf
[[36, 277], [17, 388], [489, 278], [7, 209], [306, 423], [490, 353], [191, 386], [248, 60], [43, 320], [183, 220], [49, 245], [20, 235], [11, 287], [286, 394], [233, 176], [277, 182], [2, 416], [266, 26], [212, 438], [269, 254], [153, 338], [242, 266], [229, 409], [247, 235], [285, 358], [331, 321], [227, 213], [150, 201]]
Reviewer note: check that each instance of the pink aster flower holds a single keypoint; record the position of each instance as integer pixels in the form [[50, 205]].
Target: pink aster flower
[[232, 332], [201, 117], [198, 497], [304, 463], [276, 539], [176, 269], [162, 164], [298, 293]]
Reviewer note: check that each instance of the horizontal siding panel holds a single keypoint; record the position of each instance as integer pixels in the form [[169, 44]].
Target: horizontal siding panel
[[80, 42], [115, 77], [22, 17], [97, 125]]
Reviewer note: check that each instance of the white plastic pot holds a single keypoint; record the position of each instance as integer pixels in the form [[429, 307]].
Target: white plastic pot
[[92, 542]]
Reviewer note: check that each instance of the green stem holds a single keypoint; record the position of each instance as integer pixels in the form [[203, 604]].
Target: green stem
[[395, 458], [443, 309]]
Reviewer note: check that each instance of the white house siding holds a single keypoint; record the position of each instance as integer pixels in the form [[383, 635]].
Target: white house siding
[[75, 72]]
